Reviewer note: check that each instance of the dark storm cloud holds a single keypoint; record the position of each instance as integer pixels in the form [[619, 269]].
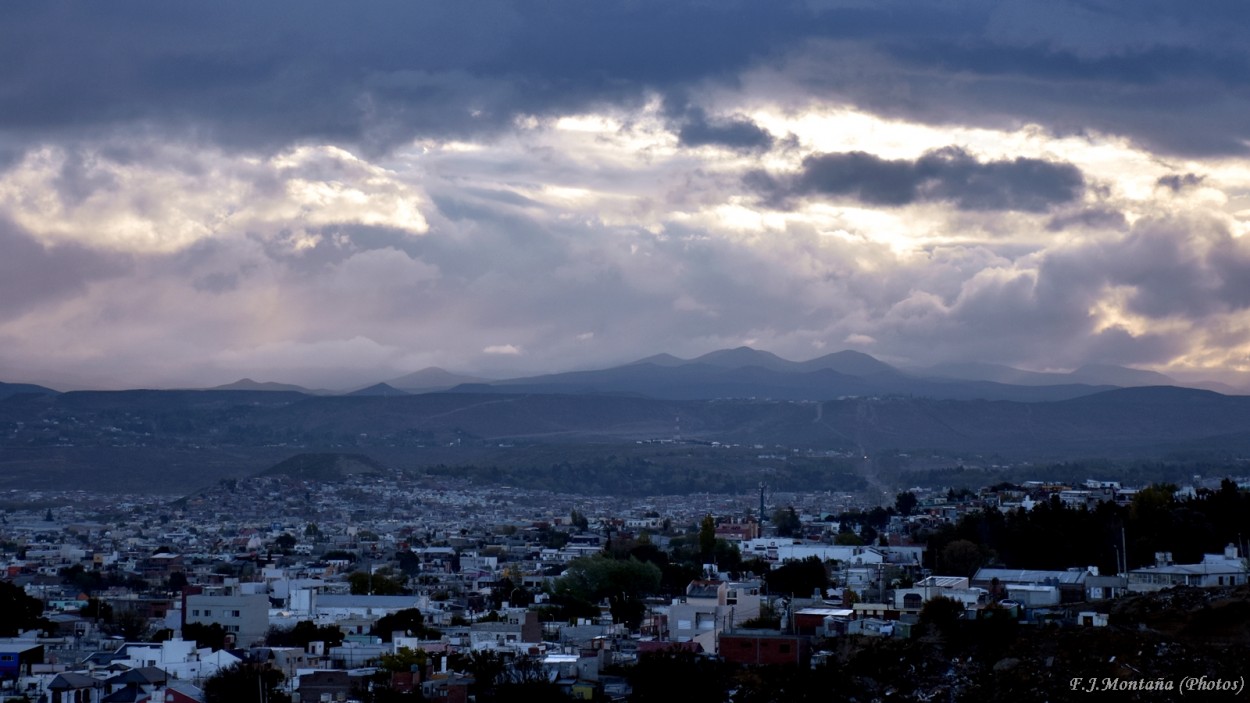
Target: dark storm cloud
[[33, 274], [1153, 66], [1093, 218], [947, 175], [266, 74], [735, 133], [256, 73]]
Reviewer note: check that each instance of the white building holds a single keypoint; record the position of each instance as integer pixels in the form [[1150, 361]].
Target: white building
[[1227, 569]]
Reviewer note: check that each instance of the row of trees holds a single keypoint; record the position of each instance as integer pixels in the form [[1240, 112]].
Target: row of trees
[[1055, 536]]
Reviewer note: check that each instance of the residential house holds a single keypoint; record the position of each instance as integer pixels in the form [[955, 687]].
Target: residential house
[[1227, 569], [912, 600], [519, 626], [765, 647], [1070, 583], [702, 614], [18, 656], [70, 687]]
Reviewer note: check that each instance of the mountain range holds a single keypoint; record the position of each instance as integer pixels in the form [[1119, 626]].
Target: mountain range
[[171, 439], [744, 372]]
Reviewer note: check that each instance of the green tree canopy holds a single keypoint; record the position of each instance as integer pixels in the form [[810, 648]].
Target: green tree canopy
[[597, 577], [623, 582]]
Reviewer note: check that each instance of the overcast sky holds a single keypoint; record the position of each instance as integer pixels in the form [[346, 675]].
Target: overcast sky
[[335, 194]]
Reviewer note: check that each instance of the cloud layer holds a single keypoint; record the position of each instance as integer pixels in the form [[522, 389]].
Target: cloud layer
[[336, 195]]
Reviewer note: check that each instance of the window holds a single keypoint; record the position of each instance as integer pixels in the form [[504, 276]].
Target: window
[[196, 612], [207, 612]]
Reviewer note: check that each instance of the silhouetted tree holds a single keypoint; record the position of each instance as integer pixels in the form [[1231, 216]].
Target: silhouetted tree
[[408, 621], [245, 684], [19, 611], [905, 502], [801, 577], [787, 522]]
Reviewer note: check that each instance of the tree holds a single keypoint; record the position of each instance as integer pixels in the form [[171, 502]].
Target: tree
[[800, 577], [82, 579], [129, 625], [18, 611], [787, 522], [485, 666], [406, 659], [622, 581], [98, 610], [245, 684], [905, 502], [285, 542], [942, 613], [960, 558], [212, 635], [848, 539], [302, 633], [578, 520], [378, 584], [409, 621], [707, 536]]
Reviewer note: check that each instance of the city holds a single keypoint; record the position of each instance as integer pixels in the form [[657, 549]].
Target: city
[[401, 587], [637, 351]]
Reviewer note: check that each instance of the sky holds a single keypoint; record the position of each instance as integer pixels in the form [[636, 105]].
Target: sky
[[335, 194]]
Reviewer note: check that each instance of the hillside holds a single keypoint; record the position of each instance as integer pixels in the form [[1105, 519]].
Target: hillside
[[1125, 420], [327, 467], [77, 435], [11, 389]]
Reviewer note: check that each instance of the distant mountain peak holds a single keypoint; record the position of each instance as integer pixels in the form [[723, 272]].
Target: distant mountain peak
[[661, 360], [850, 362], [432, 378], [1121, 376], [739, 357], [379, 389], [247, 384]]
